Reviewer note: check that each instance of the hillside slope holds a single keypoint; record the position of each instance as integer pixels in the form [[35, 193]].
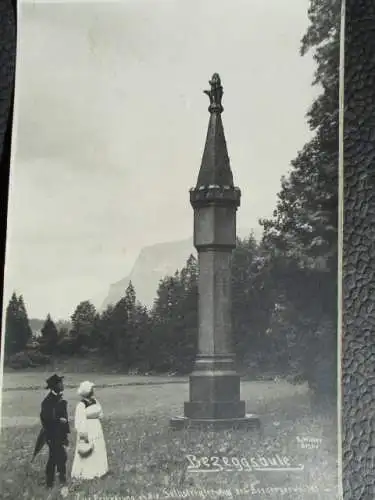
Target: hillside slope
[[154, 263]]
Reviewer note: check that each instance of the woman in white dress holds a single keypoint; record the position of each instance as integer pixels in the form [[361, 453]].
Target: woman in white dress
[[90, 458]]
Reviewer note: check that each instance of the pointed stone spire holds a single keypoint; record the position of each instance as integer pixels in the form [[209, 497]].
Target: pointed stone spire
[[214, 385], [215, 167]]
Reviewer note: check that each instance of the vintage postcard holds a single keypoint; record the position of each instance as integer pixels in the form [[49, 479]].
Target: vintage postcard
[[170, 298]]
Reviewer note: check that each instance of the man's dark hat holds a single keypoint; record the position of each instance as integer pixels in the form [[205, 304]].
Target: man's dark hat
[[53, 381]]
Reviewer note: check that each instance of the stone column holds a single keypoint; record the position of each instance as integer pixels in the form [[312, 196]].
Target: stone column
[[214, 384]]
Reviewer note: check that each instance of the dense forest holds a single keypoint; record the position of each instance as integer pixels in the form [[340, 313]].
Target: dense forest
[[284, 286]]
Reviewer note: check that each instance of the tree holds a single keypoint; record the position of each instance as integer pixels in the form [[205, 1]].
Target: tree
[[130, 297], [174, 321], [187, 314], [50, 336], [139, 325], [12, 337], [63, 325], [165, 323], [252, 301], [17, 328], [118, 331], [102, 330], [136, 330], [302, 235], [24, 321], [189, 273], [82, 325]]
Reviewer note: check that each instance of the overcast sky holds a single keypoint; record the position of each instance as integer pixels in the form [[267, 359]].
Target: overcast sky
[[111, 122]]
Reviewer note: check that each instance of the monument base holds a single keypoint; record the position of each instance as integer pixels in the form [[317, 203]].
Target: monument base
[[248, 422]]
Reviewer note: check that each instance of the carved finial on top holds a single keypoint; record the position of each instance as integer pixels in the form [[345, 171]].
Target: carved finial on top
[[215, 94]]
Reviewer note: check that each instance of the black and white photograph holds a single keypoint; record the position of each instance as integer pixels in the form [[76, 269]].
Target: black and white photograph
[[170, 324]]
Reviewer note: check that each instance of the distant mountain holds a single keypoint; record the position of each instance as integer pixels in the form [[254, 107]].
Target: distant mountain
[[154, 263], [36, 325]]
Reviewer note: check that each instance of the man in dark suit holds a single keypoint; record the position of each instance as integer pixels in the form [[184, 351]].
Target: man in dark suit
[[54, 418]]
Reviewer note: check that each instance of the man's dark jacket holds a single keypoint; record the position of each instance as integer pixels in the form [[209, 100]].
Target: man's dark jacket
[[53, 408]]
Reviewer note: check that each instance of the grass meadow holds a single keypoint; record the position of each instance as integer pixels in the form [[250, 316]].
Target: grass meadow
[[148, 460]]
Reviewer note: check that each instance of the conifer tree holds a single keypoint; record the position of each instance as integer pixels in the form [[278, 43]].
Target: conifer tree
[[50, 336], [118, 332], [82, 324], [17, 328], [12, 338]]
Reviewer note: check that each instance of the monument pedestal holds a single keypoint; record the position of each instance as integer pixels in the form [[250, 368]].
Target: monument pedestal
[[215, 398]]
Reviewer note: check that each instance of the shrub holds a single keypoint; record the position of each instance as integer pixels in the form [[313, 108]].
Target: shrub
[[39, 358], [19, 361], [66, 345], [24, 359]]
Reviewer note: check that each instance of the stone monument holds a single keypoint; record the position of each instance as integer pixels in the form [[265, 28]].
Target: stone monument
[[214, 384]]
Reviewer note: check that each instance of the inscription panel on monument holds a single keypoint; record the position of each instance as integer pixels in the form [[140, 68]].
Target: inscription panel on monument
[[215, 226]]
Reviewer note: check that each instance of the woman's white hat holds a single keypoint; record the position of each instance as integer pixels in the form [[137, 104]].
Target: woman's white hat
[[85, 388]]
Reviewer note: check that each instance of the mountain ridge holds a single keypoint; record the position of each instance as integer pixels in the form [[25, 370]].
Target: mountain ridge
[[153, 263]]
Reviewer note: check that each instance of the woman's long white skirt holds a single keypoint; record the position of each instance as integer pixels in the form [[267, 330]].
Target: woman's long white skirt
[[96, 464]]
